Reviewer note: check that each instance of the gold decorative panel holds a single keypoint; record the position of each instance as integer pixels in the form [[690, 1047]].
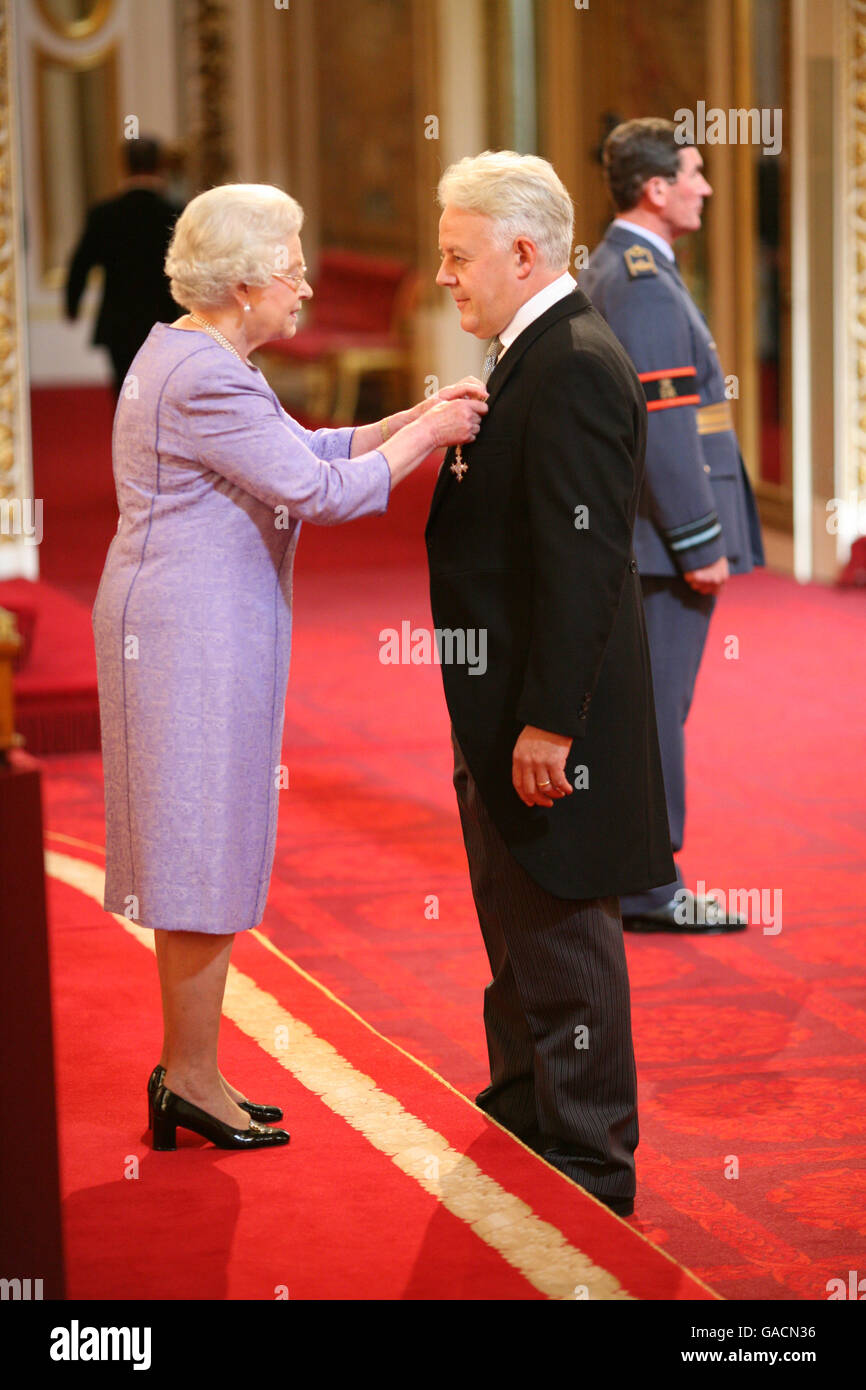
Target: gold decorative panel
[[371, 137], [854, 287], [79, 140], [207, 62], [15, 472], [75, 19]]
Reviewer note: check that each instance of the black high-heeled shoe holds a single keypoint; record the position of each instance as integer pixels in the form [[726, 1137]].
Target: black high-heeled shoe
[[264, 1114], [171, 1111]]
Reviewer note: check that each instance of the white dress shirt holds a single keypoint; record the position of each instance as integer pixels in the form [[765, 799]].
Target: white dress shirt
[[659, 241], [535, 307]]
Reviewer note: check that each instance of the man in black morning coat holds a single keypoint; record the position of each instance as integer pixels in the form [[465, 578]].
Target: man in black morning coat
[[557, 768], [128, 236]]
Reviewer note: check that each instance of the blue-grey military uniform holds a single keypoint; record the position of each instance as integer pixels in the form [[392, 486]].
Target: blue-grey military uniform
[[696, 504]]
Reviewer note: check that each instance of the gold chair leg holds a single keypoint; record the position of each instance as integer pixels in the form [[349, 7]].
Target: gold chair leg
[[348, 391]]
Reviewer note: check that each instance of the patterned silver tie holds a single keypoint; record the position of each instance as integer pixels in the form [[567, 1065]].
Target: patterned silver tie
[[494, 347]]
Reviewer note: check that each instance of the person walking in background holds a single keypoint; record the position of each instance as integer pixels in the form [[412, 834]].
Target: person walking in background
[[193, 618], [556, 758], [697, 522], [128, 236]]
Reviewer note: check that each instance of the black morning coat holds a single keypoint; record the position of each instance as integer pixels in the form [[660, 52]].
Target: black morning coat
[[128, 236], [534, 545]]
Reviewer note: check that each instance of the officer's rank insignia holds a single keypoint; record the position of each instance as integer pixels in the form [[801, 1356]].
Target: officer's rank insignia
[[639, 260], [672, 386]]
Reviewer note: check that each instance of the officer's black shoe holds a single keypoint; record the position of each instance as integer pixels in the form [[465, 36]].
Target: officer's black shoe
[[689, 914]]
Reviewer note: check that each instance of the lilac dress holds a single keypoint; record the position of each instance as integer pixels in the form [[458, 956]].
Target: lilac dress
[[193, 623]]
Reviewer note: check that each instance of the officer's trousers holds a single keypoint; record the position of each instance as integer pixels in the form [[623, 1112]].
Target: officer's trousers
[[677, 620]]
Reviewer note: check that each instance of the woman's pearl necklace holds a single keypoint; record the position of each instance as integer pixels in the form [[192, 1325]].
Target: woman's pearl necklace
[[218, 336]]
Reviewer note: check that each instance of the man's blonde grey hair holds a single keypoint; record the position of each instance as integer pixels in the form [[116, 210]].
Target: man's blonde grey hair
[[521, 193], [230, 235]]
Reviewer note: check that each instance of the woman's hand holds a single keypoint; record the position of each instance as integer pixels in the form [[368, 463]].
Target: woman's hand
[[455, 420], [368, 437], [470, 387], [453, 416]]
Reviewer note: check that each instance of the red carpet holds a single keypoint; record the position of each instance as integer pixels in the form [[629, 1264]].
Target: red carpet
[[750, 1049], [336, 1216]]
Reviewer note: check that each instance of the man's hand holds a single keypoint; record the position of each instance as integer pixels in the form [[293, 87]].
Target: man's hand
[[538, 767], [711, 579]]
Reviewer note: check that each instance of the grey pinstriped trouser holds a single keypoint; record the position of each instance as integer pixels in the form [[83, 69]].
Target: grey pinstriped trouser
[[558, 967]]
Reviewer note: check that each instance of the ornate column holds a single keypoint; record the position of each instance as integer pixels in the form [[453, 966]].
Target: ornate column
[[850, 463], [206, 30], [20, 514]]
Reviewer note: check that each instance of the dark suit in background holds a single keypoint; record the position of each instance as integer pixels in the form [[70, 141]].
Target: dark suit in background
[[696, 504], [128, 236], [567, 653]]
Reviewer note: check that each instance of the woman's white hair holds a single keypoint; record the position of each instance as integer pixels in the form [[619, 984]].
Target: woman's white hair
[[231, 235], [521, 193]]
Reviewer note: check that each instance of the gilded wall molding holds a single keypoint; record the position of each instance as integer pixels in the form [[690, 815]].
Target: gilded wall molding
[[854, 287], [206, 47], [82, 28], [17, 549]]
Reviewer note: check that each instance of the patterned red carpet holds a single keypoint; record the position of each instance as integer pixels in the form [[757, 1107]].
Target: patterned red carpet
[[394, 1185], [749, 1048]]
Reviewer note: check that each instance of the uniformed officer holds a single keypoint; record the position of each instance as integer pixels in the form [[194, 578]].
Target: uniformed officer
[[697, 522]]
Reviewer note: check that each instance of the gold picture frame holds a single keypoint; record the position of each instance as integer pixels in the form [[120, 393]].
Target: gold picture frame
[[60, 223], [82, 28]]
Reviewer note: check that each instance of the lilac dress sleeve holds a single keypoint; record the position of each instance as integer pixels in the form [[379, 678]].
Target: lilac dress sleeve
[[236, 427]]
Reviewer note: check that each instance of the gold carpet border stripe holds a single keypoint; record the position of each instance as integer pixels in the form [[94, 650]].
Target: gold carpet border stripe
[[334, 998], [371, 1028], [535, 1248], [72, 840]]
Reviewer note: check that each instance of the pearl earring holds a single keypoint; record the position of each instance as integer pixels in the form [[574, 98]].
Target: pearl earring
[[246, 308]]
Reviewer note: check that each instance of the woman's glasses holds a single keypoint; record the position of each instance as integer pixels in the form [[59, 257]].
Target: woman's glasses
[[294, 280]]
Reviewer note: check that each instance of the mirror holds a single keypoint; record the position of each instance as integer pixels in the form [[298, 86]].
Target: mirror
[[78, 148], [75, 19]]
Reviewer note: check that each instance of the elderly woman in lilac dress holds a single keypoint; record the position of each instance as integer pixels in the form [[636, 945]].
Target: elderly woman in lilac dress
[[193, 618]]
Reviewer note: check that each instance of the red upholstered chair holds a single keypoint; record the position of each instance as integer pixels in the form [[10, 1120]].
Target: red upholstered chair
[[853, 575], [357, 323]]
